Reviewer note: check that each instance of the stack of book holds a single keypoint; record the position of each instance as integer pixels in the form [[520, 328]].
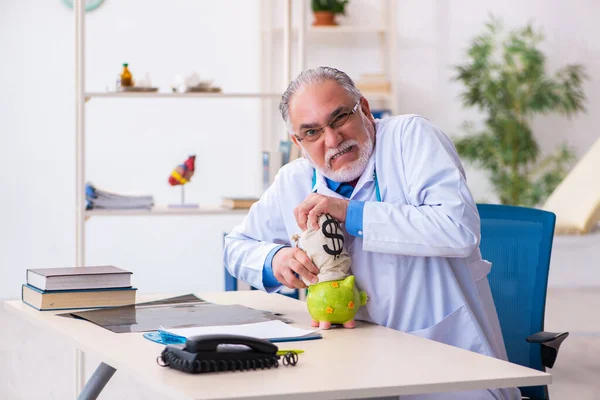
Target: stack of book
[[104, 200], [76, 288]]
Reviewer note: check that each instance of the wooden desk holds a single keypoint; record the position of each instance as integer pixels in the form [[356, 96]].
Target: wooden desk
[[368, 361]]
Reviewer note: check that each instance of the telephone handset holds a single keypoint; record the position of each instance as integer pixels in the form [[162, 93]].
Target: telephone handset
[[216, 353], [211, 343]]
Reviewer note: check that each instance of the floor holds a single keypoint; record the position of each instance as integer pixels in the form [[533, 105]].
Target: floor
[[576, 374], [28, 356]]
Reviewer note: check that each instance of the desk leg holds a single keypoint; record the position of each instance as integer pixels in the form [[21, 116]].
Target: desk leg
[[79, 363], [97, 381]]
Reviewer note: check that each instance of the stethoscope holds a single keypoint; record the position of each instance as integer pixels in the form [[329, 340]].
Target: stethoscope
[[377, 194]]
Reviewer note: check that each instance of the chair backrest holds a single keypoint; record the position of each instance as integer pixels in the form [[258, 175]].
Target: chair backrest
[[518, 243]]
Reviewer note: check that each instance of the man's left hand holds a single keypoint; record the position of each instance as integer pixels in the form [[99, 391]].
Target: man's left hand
[[308, 212]]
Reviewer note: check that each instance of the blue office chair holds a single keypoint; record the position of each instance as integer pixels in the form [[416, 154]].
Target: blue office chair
[[518, 243]]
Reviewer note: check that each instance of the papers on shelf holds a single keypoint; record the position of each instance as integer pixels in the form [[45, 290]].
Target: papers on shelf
[[102, 199]]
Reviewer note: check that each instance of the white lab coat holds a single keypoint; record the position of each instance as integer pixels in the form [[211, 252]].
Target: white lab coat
[[418, 258]]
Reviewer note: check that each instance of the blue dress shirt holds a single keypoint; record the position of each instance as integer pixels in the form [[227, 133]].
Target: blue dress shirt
[[354, 224]]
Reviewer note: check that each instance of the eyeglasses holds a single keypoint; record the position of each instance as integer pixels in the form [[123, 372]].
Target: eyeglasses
[[313, 134]]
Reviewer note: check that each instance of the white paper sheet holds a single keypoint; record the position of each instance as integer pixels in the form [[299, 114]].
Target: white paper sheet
[[268, 330]]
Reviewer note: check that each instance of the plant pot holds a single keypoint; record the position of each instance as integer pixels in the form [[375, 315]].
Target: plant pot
[[324, 18]]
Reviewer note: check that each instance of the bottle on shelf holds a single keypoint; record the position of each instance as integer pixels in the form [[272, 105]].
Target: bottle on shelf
[[126, 78]]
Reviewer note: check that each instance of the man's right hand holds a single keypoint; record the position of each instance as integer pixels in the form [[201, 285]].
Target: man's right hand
[[290, 261]]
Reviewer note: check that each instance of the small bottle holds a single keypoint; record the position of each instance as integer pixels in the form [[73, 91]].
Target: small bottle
[[126, 78]]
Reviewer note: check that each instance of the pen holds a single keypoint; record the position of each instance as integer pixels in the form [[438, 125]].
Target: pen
[[283, 352]]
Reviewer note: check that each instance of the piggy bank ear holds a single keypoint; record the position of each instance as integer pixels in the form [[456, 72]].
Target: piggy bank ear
[[364, 298], [349, 282]]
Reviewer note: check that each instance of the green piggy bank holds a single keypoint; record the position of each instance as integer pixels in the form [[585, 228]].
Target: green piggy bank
[[334, 302]]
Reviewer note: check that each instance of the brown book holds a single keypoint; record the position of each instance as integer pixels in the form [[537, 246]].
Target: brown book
[[76, 299], [238, 202], [70, 278]]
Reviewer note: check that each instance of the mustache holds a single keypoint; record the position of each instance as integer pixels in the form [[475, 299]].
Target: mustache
[[343, 146]]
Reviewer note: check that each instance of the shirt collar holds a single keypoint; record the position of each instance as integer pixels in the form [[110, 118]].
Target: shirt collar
[[333, 185]]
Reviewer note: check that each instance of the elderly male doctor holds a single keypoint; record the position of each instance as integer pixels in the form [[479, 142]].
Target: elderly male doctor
[[412, 225]]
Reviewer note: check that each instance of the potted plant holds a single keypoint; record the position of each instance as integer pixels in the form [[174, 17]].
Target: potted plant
[[505, 78], [326, 10]]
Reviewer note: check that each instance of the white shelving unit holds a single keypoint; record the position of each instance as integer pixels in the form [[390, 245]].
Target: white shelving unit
[[301, 34], [81, 98]]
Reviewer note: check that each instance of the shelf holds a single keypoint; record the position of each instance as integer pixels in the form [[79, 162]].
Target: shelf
[[157, 95], [164, 210], [90, 95], [346, 29], [351, 29]]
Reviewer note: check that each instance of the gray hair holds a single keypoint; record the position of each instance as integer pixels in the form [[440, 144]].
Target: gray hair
[[315, 76]]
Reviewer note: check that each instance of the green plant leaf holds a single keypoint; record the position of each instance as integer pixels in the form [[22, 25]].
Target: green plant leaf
[[334, 6]]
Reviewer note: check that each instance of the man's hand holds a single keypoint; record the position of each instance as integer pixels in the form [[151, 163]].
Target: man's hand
[[308, 212], [289, 261]]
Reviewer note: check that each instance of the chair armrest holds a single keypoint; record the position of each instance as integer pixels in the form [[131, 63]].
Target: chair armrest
[[550, 344]]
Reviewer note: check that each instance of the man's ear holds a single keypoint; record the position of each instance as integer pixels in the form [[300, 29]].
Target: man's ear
[[296, 142], [366, 109]]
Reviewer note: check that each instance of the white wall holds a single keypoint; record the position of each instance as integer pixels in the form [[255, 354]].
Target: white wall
[[133, 144]]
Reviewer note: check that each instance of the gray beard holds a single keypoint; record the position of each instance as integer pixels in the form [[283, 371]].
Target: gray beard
[[353, 170]]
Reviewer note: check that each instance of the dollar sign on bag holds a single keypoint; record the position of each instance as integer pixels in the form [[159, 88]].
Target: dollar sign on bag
[[329, 229]]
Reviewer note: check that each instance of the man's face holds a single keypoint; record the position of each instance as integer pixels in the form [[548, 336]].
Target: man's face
[[339, 153]]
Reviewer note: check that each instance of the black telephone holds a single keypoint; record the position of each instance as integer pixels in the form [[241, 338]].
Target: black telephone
[[214, 353]]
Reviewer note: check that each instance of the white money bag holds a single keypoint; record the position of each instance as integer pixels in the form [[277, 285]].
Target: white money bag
[[325, 247]]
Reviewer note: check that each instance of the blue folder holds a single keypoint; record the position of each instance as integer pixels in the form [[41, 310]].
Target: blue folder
[[166, 338]]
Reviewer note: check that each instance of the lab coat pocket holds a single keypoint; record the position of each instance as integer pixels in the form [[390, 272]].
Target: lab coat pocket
[[456, 329], [480, 269]]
